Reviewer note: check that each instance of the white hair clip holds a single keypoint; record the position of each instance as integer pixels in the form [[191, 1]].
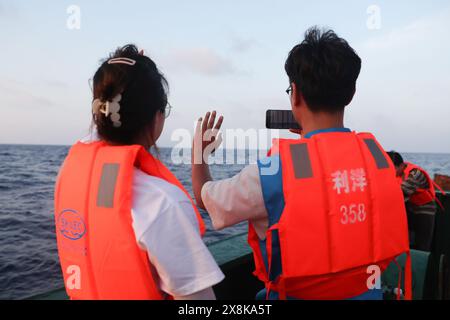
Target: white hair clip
[[109, 108], [127, 61]]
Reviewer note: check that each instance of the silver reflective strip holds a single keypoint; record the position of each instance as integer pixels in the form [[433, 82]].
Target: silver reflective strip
[[377, 154], [108, 180], [301, 161]]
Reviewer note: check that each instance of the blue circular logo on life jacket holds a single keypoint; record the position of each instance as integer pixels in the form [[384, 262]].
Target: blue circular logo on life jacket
[[71, 225]]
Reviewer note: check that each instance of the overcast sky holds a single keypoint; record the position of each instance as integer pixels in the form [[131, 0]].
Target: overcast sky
[[226, 55]]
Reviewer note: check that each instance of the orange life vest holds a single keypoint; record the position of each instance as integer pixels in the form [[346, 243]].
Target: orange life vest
[[98, 251], [422, 196], [343, 212]]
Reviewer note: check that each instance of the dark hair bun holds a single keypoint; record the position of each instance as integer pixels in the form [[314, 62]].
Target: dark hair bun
[[144, 93]]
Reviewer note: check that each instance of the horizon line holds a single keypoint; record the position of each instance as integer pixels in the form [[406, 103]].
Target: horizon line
[[171, 147]]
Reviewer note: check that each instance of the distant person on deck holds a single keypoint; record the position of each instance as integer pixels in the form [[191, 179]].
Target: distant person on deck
[[420, 199], [323, 208]]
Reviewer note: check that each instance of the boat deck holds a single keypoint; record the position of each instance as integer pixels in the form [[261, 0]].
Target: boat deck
[[431, 270]]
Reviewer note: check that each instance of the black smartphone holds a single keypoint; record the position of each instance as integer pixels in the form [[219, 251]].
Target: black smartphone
[[281, 119]]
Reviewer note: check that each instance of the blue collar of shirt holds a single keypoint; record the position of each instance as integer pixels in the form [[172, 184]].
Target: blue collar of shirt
[[310, 134]]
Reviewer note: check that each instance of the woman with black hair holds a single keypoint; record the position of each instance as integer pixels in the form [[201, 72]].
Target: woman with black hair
[[126, 227]]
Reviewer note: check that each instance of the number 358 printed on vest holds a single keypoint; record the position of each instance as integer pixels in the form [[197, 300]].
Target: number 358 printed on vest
[[347, 182], [353, 213]]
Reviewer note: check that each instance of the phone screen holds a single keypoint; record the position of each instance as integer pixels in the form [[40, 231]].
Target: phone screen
[[281, 119]]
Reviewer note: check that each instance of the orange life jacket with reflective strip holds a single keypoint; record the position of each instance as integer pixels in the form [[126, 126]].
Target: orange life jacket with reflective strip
[[343, 213], [422, 196], [98, 251]]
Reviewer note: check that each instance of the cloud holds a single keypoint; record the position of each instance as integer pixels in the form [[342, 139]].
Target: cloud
[[14, 94], [420, 31], [8, 10], [404, 86], [242, 45], [57, 84], [203, 61]]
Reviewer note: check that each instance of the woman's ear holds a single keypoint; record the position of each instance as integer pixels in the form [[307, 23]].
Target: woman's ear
[[158, 125]]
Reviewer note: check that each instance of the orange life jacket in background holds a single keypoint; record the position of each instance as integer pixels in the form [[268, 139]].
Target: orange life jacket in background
[[422, 196], [343, 212], [98, 251]]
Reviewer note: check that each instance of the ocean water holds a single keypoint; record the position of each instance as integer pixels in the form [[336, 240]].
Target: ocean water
[[28, 255]]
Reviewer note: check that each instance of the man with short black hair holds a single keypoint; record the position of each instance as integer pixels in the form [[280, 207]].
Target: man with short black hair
[[332, 210]]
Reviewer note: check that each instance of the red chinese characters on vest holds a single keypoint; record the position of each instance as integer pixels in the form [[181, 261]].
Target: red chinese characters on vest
[[99, 255], [343, 214]]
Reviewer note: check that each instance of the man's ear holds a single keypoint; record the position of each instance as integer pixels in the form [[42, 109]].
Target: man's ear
[[296, 96], [353, 95], [401, 168]]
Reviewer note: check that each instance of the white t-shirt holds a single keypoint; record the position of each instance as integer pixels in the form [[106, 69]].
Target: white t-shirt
[[166, 226], [236, 199]]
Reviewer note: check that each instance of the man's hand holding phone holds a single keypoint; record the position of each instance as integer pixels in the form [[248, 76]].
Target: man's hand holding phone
[[282, 119]]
